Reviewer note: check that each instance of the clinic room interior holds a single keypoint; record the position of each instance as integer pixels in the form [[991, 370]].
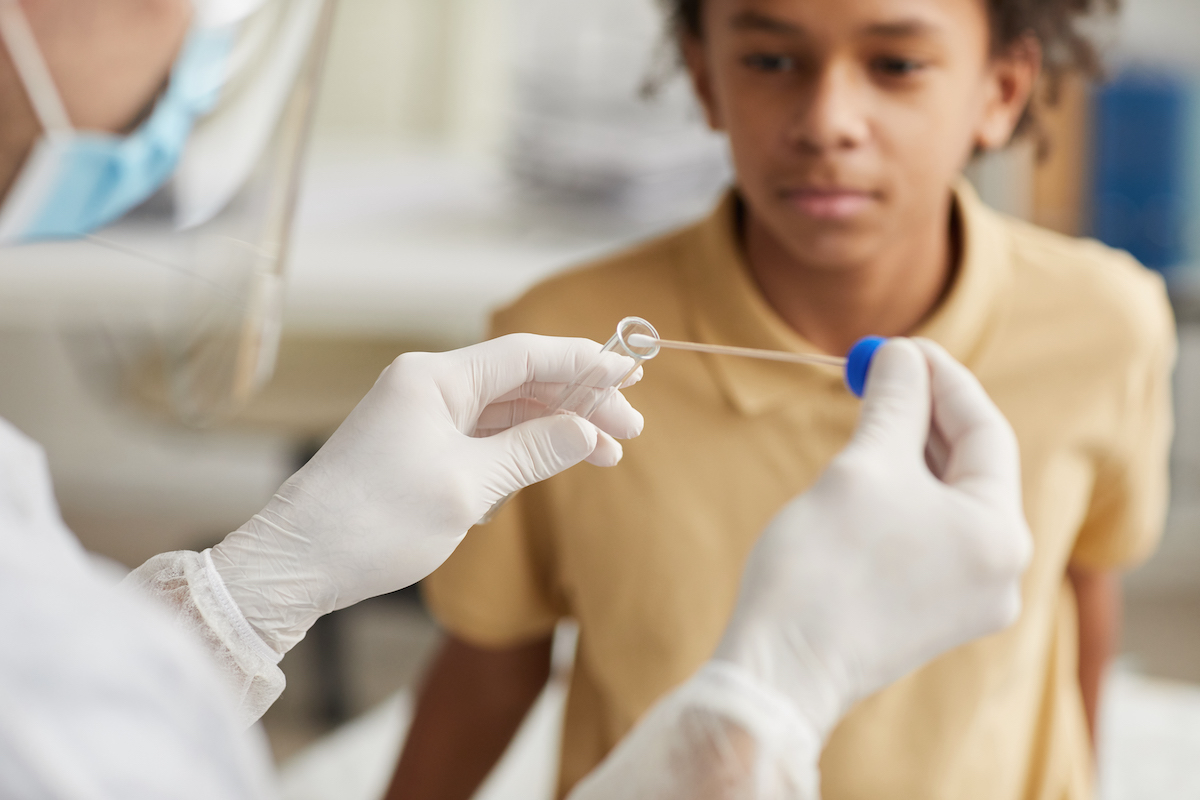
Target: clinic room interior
[[465, 151]]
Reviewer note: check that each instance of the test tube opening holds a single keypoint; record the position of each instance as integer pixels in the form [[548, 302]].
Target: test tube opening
[[586, 393], [636, 327]]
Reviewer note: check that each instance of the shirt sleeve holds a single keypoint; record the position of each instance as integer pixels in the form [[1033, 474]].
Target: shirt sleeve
[[494, 591], [498, 588], [1131, 491]]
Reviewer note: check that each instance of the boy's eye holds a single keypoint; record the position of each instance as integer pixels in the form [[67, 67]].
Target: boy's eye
[[897, 67], [769, 62]]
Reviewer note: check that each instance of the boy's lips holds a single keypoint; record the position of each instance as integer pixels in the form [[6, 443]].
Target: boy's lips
[[829, 204]]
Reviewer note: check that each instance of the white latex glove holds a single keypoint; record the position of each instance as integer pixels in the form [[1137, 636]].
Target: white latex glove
[[877, 569], [435, 443], [883, 565]]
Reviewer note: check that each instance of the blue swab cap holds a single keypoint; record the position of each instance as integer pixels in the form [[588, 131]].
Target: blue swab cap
[[858, 363]]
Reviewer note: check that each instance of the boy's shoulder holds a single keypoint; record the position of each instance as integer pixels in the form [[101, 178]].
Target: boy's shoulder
[[587, 300], [1083, 279]]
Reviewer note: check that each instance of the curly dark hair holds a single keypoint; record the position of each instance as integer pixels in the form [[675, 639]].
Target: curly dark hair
[[1054, 23]]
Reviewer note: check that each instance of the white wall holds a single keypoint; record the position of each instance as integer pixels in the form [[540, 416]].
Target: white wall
[[417, 71], [1159, 31]]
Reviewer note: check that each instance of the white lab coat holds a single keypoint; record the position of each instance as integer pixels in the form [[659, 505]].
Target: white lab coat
[[101, 695]]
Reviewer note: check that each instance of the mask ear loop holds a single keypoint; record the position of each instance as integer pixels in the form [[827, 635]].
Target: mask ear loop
[[32, 69]]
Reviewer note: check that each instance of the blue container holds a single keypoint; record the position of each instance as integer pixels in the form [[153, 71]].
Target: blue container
[[1141, 169]]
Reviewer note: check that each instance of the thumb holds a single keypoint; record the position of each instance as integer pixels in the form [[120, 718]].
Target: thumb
[[541, 448], [896, 405]]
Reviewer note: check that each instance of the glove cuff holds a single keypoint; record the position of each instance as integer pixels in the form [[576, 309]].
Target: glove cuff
[[739, 695], [190, 590], [242, 627], [780, 658], [723, 732]]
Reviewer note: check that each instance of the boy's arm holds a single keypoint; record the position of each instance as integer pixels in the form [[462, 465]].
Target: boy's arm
[[1131, 480], [1098, 599], [471, 704]]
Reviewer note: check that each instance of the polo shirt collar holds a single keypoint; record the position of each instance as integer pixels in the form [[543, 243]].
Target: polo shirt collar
[[726, 306]]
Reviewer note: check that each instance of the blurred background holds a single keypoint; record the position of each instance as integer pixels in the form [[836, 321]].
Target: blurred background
[[465, 149]]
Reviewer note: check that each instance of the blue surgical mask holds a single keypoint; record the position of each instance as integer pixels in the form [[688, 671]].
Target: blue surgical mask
[[75, 182]]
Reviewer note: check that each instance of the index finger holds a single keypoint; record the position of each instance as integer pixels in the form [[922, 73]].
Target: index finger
[[501, 366], [983, 456]]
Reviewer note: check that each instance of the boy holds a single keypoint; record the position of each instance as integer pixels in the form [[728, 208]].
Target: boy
[[849, 122]]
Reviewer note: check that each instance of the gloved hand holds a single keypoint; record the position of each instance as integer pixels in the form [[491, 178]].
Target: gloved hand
[[435, 443], [883, 565], [877, 569]]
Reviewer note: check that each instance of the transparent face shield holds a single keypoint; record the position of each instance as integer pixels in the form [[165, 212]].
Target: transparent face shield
[[182, 297]]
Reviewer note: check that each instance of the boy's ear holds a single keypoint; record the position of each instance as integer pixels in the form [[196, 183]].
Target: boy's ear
[[694, 58], [1012, 76]]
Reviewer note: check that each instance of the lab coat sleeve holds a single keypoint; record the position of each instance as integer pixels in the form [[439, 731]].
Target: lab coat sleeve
[[101, 698], [722, 735], [189, 587]]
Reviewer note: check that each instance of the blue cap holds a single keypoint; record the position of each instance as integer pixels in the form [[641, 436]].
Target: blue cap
[[858, 363]]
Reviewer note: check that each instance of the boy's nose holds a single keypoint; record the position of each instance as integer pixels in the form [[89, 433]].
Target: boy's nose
[[831, 114]]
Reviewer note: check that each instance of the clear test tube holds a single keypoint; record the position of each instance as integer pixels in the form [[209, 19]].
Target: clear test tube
[[588, 391]]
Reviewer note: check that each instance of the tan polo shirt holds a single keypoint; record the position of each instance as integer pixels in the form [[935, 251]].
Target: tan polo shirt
[[1074, 341]]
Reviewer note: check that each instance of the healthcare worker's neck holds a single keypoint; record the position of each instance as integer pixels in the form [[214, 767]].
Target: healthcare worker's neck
[[885, 291], [18, 125]]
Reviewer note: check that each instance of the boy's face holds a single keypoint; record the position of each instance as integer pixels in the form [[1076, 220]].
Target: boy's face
[[849, 119]]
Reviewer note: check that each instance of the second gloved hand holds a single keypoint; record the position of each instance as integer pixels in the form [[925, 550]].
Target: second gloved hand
[[883, 565], [435, 443]]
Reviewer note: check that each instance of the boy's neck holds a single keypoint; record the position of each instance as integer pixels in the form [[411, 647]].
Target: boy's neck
[[833, 308]]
